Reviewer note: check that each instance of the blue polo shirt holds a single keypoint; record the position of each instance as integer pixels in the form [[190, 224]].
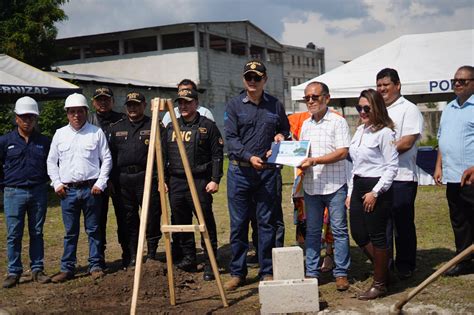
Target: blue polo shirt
[[23, 164], [456, 139], [250, 129]]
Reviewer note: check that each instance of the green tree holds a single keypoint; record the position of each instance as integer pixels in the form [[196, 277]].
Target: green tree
[[27, 30], [52, 117]]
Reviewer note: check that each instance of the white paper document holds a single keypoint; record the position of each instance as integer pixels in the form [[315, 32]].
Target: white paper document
[[291, 153]]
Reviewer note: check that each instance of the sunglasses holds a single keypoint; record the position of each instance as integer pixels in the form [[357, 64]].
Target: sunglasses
[[365, 108], [460, 81], [312, 97], [249, 77]]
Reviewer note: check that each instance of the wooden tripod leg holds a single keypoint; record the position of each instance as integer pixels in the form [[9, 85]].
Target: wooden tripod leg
[[164, 209], [197, 204], [144, 211]]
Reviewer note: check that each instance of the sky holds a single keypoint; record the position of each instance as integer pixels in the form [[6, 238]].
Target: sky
[[346, 29]]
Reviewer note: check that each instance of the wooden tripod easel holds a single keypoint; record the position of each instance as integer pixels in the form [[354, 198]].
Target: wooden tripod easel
[[158, 105]]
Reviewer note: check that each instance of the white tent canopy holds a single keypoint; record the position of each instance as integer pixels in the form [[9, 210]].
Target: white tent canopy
[[425, 64], [19, 79]]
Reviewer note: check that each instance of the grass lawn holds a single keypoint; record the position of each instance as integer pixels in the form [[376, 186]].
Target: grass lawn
[[435, 243]]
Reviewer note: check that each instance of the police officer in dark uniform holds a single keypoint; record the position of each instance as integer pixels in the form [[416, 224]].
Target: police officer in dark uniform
[[128, 140], [204, 149], [103, 102]]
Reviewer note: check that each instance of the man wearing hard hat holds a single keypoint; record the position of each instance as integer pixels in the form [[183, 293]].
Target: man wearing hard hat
[[79, 163], [24, 178]]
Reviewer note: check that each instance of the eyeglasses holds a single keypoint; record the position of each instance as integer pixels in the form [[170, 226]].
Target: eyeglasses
[[365, 108], [312, 97], [461, 81], [249, 77]]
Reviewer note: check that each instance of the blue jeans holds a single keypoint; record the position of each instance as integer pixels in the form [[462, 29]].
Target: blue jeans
[[78, 199], [315, 205], [18, 202], [245, 186]]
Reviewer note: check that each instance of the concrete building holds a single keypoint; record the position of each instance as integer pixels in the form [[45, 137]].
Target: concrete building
[[211, 54], [300, 65]]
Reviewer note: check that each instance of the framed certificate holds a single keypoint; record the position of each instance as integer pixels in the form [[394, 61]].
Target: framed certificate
[[291, 153]]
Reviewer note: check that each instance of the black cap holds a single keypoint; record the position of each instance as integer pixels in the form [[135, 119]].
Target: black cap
[[134, 97], [103, 91], [187, 94], [256, 67]]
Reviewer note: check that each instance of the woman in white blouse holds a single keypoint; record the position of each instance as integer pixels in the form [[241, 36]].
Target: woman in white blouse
[[375, 165]]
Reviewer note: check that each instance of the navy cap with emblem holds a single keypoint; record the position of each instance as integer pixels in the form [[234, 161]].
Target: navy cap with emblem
[[255, 66], [103, 91], [187, 94], [134, 97]]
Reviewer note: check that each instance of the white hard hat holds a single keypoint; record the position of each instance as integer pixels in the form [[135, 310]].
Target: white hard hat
[[26, 105], [76, 100]]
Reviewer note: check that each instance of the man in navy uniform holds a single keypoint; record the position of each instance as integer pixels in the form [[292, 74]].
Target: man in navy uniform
[[204, 149], [253, 120], [128, 140]]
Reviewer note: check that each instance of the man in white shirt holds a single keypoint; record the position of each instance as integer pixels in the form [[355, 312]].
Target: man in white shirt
[[409, 127], [79, 163], [203, 111], [324, 182]]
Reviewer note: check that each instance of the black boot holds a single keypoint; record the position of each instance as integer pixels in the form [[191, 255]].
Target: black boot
[[208, 273], [188, 263], [379, 285], [151, 252]]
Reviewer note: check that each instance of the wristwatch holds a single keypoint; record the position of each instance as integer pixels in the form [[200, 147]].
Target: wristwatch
[[376, 194]]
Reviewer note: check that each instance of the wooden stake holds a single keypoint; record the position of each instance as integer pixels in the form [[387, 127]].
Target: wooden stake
[[197, 204], [164, 208], [145, 206]]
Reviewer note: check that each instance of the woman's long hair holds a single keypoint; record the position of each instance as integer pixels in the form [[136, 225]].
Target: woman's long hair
[[378, 114]]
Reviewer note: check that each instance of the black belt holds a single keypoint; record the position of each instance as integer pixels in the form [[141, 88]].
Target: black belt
[[132, 169], [86, 183], [247, 164]]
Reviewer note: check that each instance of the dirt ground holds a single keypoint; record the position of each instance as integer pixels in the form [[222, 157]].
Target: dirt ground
[[112, 294]]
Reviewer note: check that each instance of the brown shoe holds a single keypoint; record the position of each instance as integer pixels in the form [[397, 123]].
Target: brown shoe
[[234, 283], [62, 277], [40, 277], [342, 284], [267, 278], [97, 274]]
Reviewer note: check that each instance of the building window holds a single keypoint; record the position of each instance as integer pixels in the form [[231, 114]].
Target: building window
[[293, 60], [307, 61], [294, 81], [71, 53], [299, 61], [312, 62], [285, 85], [275, 56], [256, 52], [142, 44], [217, 43], [102, 49], [299, 81], [238, 48], [202, 37], [179, 40]]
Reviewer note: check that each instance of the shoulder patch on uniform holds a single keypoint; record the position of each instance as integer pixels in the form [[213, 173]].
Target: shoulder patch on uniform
[[121, 133], [202, 130]]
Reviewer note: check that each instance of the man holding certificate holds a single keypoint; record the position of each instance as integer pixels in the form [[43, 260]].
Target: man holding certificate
[[324, 182]]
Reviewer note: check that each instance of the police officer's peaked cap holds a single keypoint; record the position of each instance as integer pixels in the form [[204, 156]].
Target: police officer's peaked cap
[[134, 97], [103, 91], [187, 94], [255, 66]]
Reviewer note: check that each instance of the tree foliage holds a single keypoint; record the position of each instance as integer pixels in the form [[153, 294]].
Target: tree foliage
[[52, 117], [27, 30]]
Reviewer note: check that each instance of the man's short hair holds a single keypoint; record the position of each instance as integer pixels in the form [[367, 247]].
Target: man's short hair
[[324, 87], [467, 68], [389, 73], [188, 82]]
